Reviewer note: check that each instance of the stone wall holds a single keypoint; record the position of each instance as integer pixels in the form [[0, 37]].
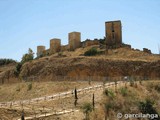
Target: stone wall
[[90, 43], [64, 48]]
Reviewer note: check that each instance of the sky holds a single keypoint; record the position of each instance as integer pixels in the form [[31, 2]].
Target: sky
[[26, 24]]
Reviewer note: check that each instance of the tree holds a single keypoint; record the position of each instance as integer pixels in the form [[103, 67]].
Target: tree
[[18, 69], [28, 56]]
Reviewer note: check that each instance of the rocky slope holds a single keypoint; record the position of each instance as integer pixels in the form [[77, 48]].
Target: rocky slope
[[89, 66], [118, 62]]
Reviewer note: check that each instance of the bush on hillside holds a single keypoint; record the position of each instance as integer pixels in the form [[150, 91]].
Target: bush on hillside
[[109, 93], [18, 69], [147, 107], [87, 108], [91, 52], [6, 61], [124, 91]]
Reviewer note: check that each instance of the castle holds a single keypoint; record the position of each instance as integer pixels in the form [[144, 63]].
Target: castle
[[113, 39], [74, 39]]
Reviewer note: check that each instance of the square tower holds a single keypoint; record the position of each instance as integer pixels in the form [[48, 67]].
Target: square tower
[[74, 40], [113, 31]]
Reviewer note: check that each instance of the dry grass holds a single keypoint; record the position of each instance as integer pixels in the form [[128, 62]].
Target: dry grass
[[129, 103], [7, 67], [115, 54], [21, 91], [123, 104]]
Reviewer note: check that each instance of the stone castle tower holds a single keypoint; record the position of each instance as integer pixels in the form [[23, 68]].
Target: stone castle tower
[[40, 50], [74, 40], [113, 31], [55, 45]]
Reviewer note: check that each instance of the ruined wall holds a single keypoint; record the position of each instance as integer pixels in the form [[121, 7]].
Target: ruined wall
[[74, 40], [64, 48], [46, 52], [90, 43], [55, 45], [40, 50], [113, 31], [146, 50]]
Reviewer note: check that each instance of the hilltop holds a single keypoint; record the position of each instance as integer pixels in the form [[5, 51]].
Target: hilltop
[[118, 62]]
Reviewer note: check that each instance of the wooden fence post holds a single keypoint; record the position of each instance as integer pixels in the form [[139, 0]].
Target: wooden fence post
[[93, 101]]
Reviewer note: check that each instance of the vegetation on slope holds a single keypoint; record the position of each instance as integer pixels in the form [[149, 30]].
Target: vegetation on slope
[[129, 100], [26, 57], [6, 61]]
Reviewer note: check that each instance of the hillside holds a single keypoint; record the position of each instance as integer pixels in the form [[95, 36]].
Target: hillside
[[62, 72], [125, 99], [118, 62]]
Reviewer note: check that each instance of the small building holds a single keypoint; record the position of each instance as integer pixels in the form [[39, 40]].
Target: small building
[[74, 40]]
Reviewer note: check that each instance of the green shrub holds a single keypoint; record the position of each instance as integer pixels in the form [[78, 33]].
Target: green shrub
[[87, 108], [147, 107], [93, 51], [18, 69], [124, 91], [28, 56], [108, 106], [109, 93]]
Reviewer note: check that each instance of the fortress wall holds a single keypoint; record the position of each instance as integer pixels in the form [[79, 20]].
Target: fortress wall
[[55, 45], [74, 40], [64, 48], [91, 42]]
